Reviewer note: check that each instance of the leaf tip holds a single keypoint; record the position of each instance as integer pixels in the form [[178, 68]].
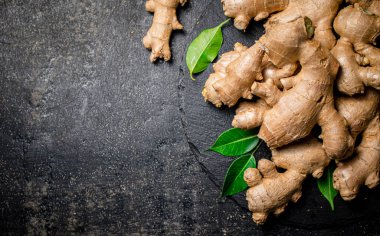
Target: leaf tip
[[224, 22], [332, 205], [210, 149]]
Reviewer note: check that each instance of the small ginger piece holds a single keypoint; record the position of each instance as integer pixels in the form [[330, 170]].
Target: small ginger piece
[[364, 167], [359, 110], [270, 191], [268, 91], [232, 78], [307, 156], [358, 30], [244, 10], [164, 22], [320, 12], [278, 75], [250, 115]]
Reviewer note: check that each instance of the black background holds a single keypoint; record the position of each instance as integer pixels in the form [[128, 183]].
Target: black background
[[95, 139]]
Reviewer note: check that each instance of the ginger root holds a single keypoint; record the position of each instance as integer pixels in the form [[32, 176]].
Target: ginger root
[[164, 22], [358, 111], [307, 101], [359, 27], [364, 167], [361, 113], [245, 69], [321, 13], [358, 30], [244, 10], [310, 100], [287, 80], [250, 115], [270, 191], [223, 87]]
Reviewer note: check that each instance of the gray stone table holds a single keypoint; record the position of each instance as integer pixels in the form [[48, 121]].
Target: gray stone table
[[95, 139]]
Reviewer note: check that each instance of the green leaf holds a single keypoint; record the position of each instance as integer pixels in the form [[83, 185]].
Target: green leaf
[[325, 184], [235, 142], [204, 49], [234, 181]]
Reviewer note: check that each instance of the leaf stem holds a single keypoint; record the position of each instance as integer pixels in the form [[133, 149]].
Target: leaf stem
[[191, 76]]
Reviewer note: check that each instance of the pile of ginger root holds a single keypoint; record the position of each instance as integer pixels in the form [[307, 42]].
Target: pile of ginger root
[[299, 75]]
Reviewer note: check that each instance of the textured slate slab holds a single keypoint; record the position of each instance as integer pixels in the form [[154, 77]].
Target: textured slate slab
[[94, 138]]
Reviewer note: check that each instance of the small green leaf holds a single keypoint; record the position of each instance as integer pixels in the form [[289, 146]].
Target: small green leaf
[[325, 184], [204, 49], [234, 181], [235, 142]]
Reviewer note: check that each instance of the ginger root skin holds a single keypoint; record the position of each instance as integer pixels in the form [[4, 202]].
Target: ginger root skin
[[310, 99], [234, 75], [293, 78], [164, 22], [244, 70], [321, 13], [358, 31], [250, 115], [364, 167], [244, 10], [307, 156], [270, 191], [361, 114], [358, 111]]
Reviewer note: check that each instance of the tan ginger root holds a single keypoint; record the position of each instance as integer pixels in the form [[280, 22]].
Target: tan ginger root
[[361, 113], [218, 82], [310, 101], [321, 13], [358, 110], [244, 70], [250, 115], [364, 167], [358, 31], [270, 191], [244, 10], [234, 76], [164, 22], [222, 89], [296, 111], [293, 77]]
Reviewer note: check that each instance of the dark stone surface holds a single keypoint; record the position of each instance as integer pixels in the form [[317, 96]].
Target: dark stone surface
[[95, 139]]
